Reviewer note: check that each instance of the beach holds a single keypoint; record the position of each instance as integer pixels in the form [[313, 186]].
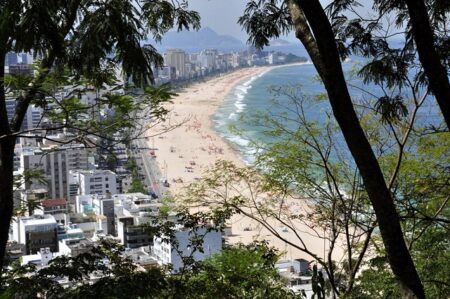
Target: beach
[[183, 153], [186, 151]]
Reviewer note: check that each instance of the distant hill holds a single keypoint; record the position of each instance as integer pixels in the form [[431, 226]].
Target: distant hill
[[193, 41], [279, 43]]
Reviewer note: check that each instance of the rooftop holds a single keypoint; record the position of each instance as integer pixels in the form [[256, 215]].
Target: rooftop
[[33, 150], [54, 202], [38, 220], [95, 172]]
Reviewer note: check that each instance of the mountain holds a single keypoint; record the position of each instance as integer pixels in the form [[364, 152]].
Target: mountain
[[193, 41], [279, 43]]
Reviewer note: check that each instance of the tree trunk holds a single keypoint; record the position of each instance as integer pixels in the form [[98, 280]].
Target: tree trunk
[[428, 56], [333, 77], [6, 192], [7, 143]]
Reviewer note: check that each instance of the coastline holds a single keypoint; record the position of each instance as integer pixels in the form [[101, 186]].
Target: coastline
[[196, 138], [183, 153]]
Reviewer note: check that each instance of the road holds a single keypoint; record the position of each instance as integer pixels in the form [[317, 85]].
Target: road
[[148, 168]]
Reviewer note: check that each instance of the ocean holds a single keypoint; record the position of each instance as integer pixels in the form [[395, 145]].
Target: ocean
[[252, 96]]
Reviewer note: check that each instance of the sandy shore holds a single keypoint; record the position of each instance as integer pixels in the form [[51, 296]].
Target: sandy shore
[[185, 152]]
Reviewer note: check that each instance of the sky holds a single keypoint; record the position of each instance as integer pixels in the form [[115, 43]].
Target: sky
[[221, 15]]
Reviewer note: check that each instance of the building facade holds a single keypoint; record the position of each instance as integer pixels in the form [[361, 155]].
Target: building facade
[[132, 236], [55, 163], [172, 253], [36, 232], [99, 182], [176, 58]]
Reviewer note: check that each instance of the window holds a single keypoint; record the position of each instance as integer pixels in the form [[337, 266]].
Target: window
[[107, 185]]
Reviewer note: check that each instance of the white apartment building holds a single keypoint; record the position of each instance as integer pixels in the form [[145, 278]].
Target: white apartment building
[[272, 58], [99, 182], [36, 232], [166, 253], [208, 58], [143, 208], [55, 162]]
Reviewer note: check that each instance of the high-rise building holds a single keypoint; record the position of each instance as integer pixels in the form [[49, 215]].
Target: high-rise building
[[99, 182], [208, 58], [176, 58], [272, 58], [55, 162]]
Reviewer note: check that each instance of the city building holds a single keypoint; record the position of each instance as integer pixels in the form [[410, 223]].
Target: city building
[[167, 74], [41, 258], [25, 58], [297, 275], [99, 182], [166, 252], [141, 256], [55, 162], [11, 58], [75, 246], [143, 208], [273, 58], [131, 235], [21, 69], [176, 58], [55, 206], [207, 58], [14, 251], [105, 206], [89, 224], [100, 205], [72, 231], [36, 232], [236, 60], [33, 116]]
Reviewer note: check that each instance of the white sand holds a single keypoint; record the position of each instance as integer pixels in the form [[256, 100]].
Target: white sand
[[196, 145]]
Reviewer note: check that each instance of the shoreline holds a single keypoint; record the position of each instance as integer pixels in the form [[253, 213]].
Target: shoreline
[[238, 148], [184, 153], [196, 139]]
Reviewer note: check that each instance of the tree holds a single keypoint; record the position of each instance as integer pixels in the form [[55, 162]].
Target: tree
[[237, 272], [267, 19], [434, 64], [243, 271], [301, 181], [117, 277], [83, 43], [306, 182]]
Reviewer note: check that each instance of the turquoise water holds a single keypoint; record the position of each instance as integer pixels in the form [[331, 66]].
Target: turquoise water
[[252, 96]]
